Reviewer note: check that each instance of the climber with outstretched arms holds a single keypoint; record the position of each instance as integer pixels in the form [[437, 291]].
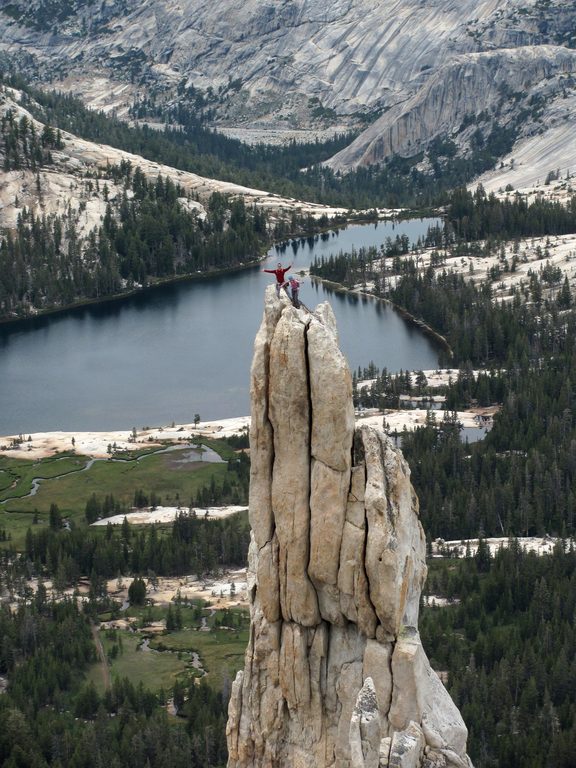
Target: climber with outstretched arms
[[279, 272]]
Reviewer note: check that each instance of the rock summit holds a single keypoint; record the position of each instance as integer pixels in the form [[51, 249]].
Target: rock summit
[[335, 674]]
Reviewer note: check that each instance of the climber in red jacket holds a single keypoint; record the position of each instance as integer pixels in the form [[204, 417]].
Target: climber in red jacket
[[279, 272]]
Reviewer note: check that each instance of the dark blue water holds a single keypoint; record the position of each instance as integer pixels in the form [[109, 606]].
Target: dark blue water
[[174, 351]]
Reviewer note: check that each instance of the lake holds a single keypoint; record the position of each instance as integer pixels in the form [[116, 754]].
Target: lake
[[170, 352]]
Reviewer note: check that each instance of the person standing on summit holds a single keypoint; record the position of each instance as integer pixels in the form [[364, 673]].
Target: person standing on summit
[[279, 272], [294, 287]]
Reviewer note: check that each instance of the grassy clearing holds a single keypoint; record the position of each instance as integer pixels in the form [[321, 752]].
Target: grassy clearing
[[222, 448], [6, 480], [153, 669], [15, 527], [221, 653], [173, 482], [169, 656], [16, 475]]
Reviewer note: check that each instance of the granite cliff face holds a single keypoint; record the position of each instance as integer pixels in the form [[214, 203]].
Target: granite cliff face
[[266, 68], [480, 88], [335, 674], [352, 55]]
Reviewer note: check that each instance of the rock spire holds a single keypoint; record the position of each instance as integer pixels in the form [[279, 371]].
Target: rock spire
[[335, 675]]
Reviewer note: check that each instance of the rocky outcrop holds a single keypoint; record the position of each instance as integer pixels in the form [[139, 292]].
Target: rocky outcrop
[[335, 674], [265, 59], [489, 84]]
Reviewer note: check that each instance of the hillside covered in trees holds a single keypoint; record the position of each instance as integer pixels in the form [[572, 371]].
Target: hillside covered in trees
[[48, 717], [146, 235], [150, 231], [506, 639], [190, 144]]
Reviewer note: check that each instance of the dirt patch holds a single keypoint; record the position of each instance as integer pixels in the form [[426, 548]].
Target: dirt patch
[[229, 589], [105, 671]]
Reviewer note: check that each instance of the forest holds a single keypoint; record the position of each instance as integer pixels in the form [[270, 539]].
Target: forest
[[189, 142], [50, 714], [191, 545], [23, 147], [475, 223], [477, 216], [49, 717], [146, 236], [506, 640], [519, 480]]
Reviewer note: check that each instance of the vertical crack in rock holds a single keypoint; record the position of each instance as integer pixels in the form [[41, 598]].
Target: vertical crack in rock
[[309, 390], [290, 417], [335, 675], [331, 439]]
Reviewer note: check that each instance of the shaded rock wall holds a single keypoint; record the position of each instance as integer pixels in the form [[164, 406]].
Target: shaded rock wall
[[465, 86], [425, 67], [334, 674]]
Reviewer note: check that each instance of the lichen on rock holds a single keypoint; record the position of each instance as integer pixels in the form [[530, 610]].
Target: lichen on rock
[[335, 674]]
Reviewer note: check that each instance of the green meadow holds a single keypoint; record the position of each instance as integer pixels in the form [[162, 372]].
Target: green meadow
[[65, 481], [158, 661]]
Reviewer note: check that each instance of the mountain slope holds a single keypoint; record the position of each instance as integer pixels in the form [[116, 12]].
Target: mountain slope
[[64, 181], [416, 70], [352, 55], [81, 221], [504, 86]]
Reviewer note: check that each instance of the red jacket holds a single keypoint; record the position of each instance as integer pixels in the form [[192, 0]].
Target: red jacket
[[279, 274]]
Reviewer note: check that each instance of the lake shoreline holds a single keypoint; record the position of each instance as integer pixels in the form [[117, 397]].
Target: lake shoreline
[[117, 297], [397, 215], [426, 329], [184, 348], [96, 444]]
